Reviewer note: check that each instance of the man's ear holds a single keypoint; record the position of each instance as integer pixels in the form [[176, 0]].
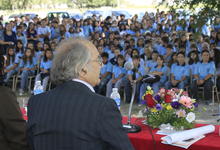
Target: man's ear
[[83, 72]]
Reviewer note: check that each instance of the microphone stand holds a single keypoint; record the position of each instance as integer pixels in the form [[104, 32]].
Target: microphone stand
[[131, 128]]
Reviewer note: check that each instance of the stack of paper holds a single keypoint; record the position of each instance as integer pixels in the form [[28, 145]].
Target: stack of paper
[[186, 138]]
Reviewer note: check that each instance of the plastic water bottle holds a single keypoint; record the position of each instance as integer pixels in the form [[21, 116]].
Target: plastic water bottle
[[116, 96], [38, 88]]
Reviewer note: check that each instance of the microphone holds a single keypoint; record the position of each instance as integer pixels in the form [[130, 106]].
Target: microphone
[[131, 128]]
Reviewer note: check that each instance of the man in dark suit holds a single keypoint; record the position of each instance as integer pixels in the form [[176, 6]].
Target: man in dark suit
[[72, 116], [12, 125]]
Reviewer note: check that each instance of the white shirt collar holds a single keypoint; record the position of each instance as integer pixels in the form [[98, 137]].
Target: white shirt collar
[[85, 83]]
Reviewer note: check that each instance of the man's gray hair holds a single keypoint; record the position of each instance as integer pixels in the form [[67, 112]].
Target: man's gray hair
[[71, 56]]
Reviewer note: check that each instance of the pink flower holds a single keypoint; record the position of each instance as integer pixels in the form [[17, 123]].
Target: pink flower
[[181, 113], [171, 93], [186, 101], [185, 93], [162, 92]]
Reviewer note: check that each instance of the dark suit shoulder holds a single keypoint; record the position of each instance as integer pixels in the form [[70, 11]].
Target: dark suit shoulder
[[6, 91], [8, 100]]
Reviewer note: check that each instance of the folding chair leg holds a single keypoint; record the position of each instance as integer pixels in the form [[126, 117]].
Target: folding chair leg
[[16, 82], [217, 96], [203, 94], [29, 86], [13, 83], [124, 96], [49, 86], [213, 95]]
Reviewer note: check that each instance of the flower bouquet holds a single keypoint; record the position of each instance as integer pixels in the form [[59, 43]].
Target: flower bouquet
[[173, 107]]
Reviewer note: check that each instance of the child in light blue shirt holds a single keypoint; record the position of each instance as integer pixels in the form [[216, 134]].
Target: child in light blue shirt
[[118, 74], [204, 73], [179, 73], [10, 67], [45, 66], [105, 74], [27, 68]]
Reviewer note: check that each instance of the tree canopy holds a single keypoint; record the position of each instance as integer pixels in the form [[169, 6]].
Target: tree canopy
[[24, 4], [203, 11]]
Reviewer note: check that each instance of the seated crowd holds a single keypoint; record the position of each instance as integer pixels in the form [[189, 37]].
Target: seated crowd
[[155, 45]]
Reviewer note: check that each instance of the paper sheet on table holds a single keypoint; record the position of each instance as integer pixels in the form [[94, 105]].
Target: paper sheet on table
[[188, 134], [186, 144], [166, 132]]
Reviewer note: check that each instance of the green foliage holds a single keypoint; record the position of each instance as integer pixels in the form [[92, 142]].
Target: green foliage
[[94, 3], [165, 116], [202, 10], [23, 4], [161, 117]]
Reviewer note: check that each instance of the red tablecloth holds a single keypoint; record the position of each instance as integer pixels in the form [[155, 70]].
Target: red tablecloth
[[24, 113], [144, 141]]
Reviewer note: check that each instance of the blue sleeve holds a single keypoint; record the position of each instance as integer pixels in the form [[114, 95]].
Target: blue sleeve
[[42, 64], [123, 70], [196, 69], [17, 59], [186, 70], [109, 67], [172, 69], [67, 35], [164, 70], [142, 71], [114, 69], [130, 72], [34, 61], [212, 68], [152, 69], [21, 65], [148, 64]]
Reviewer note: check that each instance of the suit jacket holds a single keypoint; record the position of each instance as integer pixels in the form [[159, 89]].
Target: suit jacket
[[12, 125], [72, 117]]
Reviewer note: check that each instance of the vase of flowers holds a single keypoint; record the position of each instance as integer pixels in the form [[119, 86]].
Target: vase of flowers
[[173, 107]]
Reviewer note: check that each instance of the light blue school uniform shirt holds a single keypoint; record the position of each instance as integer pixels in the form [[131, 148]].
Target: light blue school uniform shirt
[[163, 69], [140, 73], [150, 63], [106, 68], [18, 57], [38, 55], [179, 71], [203, 69], [117, 71], [46, 65], [28, 64], [98, 29], [110, 55], [193, 68], [160, 49], [129, 59], [11, 64], [44, 30]]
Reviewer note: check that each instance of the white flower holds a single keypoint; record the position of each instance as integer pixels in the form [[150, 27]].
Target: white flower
[[190, 117], [175, 100], [181, 113], [148, 88]]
